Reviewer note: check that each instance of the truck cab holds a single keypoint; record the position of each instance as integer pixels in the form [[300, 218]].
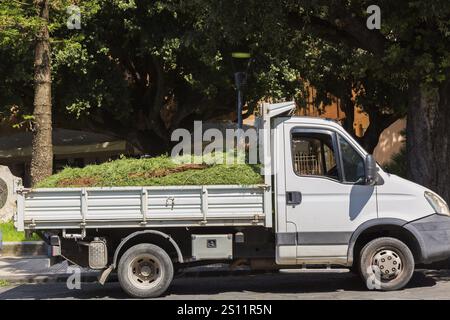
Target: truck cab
[[335, 206]]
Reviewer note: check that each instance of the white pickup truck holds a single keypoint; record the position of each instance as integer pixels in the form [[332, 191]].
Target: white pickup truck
[[324, 202]]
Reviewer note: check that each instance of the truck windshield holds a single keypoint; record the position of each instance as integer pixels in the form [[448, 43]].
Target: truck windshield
[[353, 163]]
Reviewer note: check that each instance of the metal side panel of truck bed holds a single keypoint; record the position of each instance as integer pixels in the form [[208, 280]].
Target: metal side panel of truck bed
[[129, 207]]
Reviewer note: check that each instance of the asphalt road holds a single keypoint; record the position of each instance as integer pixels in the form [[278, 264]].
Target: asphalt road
[[324, 285]]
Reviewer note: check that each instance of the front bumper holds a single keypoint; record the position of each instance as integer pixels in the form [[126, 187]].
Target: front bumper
[[433, 235]]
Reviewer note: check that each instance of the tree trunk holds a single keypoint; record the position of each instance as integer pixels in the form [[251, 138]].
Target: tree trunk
[[428, 137], [42, 150], [348, 106]]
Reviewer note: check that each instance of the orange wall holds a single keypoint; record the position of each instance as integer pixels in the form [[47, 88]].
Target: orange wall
[[334, 111], [391, 141]]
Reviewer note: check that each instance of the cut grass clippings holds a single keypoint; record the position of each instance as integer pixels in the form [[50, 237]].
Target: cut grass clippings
[[4, 283], [10, 234], [157, 171]]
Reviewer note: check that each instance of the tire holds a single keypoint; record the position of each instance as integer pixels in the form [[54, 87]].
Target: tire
[[145, 271], [354, 269], [386, 264]]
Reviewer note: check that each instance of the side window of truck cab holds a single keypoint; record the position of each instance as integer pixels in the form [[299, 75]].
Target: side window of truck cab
[[326, 154], [314, 154]]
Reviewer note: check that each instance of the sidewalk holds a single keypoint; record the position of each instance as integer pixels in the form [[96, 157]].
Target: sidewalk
[[23, 248], [37, 269]]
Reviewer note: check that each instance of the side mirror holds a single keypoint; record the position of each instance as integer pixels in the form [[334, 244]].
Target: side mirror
[[371, 170]]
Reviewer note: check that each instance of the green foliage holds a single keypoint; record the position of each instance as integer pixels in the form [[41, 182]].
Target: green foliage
[[132, 61], [157, 171], [9, 233], [4, 283]]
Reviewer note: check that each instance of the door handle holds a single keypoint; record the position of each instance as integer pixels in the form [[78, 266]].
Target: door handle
[[293, 197]]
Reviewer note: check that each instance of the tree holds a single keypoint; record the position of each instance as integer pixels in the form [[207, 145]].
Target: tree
[[138, 69], [26, 76], [18, 25], [306, 57], [413, 46], [42, 149], [402, 69], [134, 71], [344, 73]]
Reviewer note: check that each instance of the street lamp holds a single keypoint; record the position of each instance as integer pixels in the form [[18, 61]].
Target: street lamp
[[241, 62]]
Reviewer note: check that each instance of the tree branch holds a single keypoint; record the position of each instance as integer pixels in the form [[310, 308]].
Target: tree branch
[[341, 27]]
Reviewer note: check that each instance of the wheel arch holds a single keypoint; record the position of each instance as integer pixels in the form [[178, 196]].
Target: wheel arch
[[382, 227], [145, 234]]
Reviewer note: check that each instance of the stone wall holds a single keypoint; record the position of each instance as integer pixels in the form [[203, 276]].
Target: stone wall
[[7, 198]]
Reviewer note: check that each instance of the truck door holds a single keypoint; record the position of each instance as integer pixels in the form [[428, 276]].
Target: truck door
[[326, 195]]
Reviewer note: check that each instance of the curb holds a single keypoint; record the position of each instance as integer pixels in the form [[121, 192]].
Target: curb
[[87, 277], [46, 278], [22, 249]]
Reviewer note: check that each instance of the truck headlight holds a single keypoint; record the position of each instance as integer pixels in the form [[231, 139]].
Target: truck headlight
[[439, 205]]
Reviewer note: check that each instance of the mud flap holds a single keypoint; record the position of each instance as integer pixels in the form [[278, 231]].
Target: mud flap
[[105, 274]]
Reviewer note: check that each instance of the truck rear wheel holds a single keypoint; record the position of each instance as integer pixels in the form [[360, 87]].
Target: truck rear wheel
[[386, 264], [145, 271]]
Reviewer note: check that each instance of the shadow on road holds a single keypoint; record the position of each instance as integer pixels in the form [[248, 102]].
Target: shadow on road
[[288, 283], [301, 283]]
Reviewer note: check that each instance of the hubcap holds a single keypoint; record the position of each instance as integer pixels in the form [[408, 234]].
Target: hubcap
[[389, 263], [145, 271]]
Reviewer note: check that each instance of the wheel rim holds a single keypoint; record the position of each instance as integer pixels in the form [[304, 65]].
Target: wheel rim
[[389, 263], [145, 271]]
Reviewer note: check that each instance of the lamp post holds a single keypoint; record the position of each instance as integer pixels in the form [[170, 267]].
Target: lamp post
[[241, 62]]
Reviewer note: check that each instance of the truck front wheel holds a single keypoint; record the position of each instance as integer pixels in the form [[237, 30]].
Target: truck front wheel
[[145, 271], [386, 264]]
